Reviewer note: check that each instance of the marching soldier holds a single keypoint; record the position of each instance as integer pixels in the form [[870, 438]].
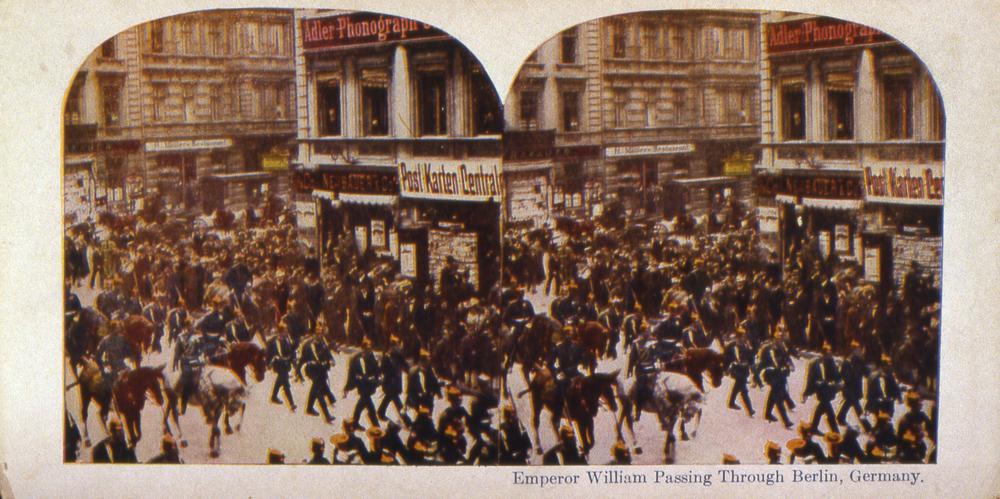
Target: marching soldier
[[114, 449], [423, 439], [914, 419], [804, 447], [318, 361], [514, 442], [882, 438], [392, 367], [176, 319], [611, 318], [853, 371], [342, 453], [823, 381], [156, 313], [422, 386], [739, 359], [455, 413], [363, 375], [281, 355], [911, 448], [238, 329], [377, 453], [453, 444], [883, 390]]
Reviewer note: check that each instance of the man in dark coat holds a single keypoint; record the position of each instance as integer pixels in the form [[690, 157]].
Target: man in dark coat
[[363, 375], [739, 359], [392, 367], [281, 356], [317, 369], [883, 390], [114, 449], [823, 381], [422, 386], [853, 372]]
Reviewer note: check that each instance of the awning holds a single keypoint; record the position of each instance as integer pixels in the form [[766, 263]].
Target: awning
[[707, 181], [78, 161], [367, 199], [832, 204], [786, 199], [242, 176], [327, 195], [526, 167]]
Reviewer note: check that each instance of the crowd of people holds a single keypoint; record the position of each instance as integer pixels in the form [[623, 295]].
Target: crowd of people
[[205, 285]]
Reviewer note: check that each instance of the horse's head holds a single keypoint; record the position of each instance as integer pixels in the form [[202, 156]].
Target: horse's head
[[259, 363]]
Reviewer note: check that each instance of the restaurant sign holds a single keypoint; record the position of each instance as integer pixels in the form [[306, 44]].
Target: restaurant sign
[[820, 33], [361, 28], [451, 180], [648, 150], [909, 184]]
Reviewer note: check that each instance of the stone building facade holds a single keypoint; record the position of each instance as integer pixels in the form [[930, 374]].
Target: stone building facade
[[852, 145], [182, 103]]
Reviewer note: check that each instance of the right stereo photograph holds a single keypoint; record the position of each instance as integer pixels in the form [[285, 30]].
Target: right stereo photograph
[[721, 243]]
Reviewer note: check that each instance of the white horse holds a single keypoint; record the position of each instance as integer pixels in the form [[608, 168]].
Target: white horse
[[219, 393], [674, 397]]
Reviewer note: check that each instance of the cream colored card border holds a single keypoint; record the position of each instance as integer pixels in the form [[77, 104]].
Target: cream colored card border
[[43, 42]]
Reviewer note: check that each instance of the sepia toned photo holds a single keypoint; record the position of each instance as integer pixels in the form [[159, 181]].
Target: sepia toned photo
[[685, 237]]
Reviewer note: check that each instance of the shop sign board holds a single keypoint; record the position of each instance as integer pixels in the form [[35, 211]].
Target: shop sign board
[[811, 186], [188, 145], [362, 28], [872, 264], [906, 184], [647, 150], [408, 259], [820, 33], [353, 182], [451, 180], [767, 219], [738, 165], [274, 162]]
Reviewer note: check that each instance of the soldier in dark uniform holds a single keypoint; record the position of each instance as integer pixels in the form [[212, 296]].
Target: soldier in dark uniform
[[772, 451], [611, 318], [363, 375], [392, 367], [422, 386], [514, 442], [849, 448], [168, 452], [156, 313], [882, 437], [454, 413], [113, 350], [823, 381], [281, 356], [853, 371], [518, 312], [738, 358], [483, 401], [318, 448], [295, 321], [694, 334], [342, 454], [484, 451], [318, 361], [914, 419], [883, 390], [633, 325], [911, 448], [353, 443], [114, 449], [642, 363], [452, 445], [238, 330], [804, 447], [187, 358], [214, 322], [423, 438], [176, 318], [565, 359], [566, 451], [71, 439]]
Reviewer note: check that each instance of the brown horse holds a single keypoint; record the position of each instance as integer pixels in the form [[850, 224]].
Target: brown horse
[[579, 403], [95, 386], [593, 340], [243, 354], [139, 333], [129, 395], [695, 362]]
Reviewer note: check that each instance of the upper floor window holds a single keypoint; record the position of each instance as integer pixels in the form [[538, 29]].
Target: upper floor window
[[649, 41], [156, 37], [897, 107], [486, 116], [108, 49], [328, 93], [159, 102], [568, 46], [432, 97], [618, 40], [571, 111], [111, 103], [529, 109], [840, 114], [375, 109], [793, 113]]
